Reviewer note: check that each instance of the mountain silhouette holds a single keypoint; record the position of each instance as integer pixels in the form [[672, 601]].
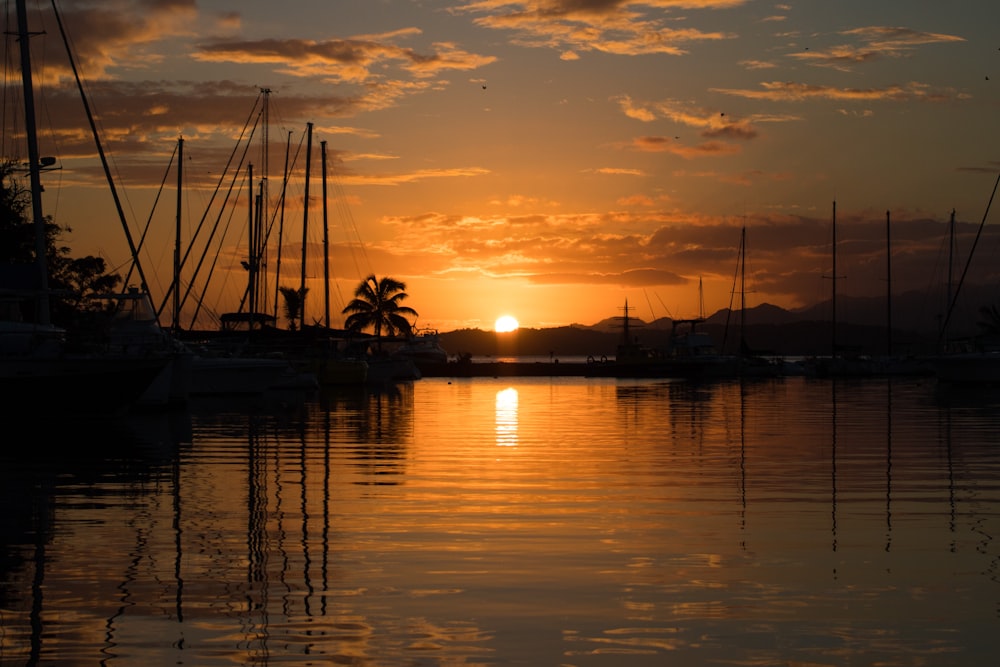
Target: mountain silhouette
[[769, 329]]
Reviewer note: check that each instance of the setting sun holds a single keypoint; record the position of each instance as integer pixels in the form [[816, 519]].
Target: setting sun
[[505, 323]]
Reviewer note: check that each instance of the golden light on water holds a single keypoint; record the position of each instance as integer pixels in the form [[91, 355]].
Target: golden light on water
[[505, 324], [506, 417]]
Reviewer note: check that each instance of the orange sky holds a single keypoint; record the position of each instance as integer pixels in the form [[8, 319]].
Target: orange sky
[[546, 159]]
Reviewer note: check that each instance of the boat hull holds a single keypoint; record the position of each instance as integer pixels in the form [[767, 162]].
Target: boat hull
[[971, 368], [85, 384], [236, 375]]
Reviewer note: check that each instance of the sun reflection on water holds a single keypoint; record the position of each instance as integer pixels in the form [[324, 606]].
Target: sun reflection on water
[[506, 417]]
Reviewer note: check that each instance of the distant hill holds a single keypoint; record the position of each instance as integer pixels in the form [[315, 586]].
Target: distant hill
[[768, 329]]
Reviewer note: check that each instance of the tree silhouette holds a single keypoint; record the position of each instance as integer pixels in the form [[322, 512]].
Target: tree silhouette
[[294, 298], [376, 305], [71, 280]]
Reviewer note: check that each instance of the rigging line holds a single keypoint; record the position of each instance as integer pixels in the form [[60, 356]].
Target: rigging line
[[732, 292], [237, 173], [211, 200], [347, 216], [968, 261], [280, 209], [149, 220], [100, 151], [222, 207], [214, 263], [276, 216], [649, 303], [667, 310]]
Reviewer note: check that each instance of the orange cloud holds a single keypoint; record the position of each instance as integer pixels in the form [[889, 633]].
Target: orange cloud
[[341, 60], [875, 42], [622, 27], [791, 91]]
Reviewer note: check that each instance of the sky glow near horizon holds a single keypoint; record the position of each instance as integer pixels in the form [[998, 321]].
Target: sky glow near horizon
[[547, 159]]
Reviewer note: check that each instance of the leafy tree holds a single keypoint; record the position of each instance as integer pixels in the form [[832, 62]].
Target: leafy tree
[[377, 306], [294, 299], [71, 280]]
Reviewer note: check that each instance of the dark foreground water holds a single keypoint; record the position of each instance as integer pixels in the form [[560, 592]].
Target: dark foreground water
[[526, 522]]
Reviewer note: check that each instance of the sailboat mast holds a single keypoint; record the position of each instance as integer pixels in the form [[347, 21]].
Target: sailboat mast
[[743, 287], [252, 255], [42, 315], [625, 332], [305, 227], [833, 281], [888, 280], [100, 151], [260, 250], [701, 300], [281, 226], [326, 243], [175, 324], [951, 255]]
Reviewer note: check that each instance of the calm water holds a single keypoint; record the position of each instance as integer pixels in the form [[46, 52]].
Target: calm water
[[526, 522]]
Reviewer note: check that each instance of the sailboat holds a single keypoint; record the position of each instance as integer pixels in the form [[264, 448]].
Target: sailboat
[[751, 363], [978, 366], [39, 370]]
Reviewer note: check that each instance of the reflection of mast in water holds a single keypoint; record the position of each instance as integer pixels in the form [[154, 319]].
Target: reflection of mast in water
[[743, 465], [257, 527], [178, 535], [888, 465], [304, 511], [951, 476], [833, 464], [326, 510], [506, 417], [37, 581]]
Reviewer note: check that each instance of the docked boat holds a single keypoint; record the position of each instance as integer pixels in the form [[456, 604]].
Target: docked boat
[[135, 330], [39, 369], [980, 367], [422, 348], [223, 376], [690, 353]]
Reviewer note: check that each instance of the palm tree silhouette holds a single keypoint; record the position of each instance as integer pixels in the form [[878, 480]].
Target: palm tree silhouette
[[376, 305], [293, 298]]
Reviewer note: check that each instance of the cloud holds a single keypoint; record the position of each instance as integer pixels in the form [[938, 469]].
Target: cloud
[[873, 43], [619, 171], [757, 64], [414, 176], [712, 126], [113, 35], [620, 27], [791, 91], [342, 60], [656, 247]]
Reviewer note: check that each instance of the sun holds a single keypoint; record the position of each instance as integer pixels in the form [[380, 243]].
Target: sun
[[505, 323]]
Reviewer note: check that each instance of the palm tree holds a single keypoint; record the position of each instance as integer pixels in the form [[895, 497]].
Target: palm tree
[[376, 306], [294, 299]]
